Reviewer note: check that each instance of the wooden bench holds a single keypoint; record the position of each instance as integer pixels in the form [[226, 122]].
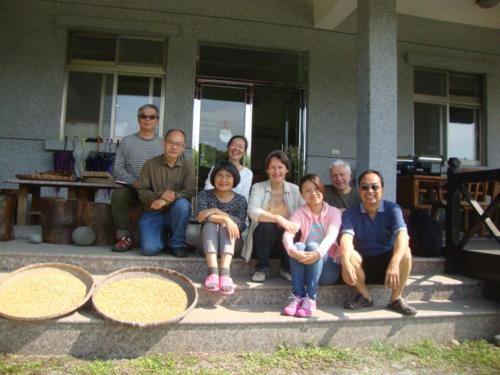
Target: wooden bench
[[81, 191]]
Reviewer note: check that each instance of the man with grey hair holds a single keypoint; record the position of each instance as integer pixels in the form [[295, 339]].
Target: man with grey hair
[[131, 155], [340, 194]]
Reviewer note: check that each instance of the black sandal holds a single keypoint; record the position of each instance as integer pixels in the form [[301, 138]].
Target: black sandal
[[358, 303], [400, 306]]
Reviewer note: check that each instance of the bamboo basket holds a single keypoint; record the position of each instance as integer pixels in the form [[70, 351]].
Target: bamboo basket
[[148, 272], [37, 271]]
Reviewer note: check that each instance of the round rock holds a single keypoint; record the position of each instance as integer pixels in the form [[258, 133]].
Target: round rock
[[35, 238], [83, 236], [496, 340]]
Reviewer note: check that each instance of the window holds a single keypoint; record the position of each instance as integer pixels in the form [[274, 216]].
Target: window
[[447, 115], [108, 78]]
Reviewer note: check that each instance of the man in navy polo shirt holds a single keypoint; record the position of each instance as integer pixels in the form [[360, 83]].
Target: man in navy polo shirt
[[374, 246]]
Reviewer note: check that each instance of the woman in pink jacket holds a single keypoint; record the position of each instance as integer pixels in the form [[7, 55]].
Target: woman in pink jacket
[[316, 254]]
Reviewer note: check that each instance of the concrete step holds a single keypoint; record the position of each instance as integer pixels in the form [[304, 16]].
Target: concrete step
[[277, 290], [251, 328], [100, 260]]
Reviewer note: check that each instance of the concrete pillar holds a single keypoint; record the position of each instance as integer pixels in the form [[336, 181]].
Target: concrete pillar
[[377, 90]]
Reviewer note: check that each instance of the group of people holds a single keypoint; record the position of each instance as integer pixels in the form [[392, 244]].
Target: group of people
[[319, 232]]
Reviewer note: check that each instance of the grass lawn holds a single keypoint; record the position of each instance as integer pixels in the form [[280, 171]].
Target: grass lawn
[[425, 357]]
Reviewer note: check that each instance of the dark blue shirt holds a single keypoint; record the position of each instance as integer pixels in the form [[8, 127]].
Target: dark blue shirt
[[373, 236]]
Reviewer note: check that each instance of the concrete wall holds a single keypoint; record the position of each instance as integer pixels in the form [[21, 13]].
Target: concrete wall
[[33, 38]]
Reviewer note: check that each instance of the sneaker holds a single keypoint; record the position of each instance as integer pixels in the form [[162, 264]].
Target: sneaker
[[286, 275], [123, 244], [400, 306], [293, 305], [307, 308], [358, 303], [259, 276], [178, 252]]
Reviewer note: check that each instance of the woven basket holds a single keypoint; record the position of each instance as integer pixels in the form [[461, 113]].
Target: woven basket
[[150, 272], [39, 268]]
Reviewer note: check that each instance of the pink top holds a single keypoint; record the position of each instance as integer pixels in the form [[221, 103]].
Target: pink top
[[330, 219]]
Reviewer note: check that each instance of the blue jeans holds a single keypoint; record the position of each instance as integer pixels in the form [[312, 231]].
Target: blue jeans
[[307, 277], [154, 225]]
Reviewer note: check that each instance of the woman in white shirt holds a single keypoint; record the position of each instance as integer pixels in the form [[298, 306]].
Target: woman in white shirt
[[269, 207], [236, 149]]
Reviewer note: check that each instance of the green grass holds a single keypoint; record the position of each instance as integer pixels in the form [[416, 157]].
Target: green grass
[[469, 357]]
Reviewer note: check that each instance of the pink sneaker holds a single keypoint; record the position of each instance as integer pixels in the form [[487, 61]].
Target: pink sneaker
[[291, 308], [307, 308]]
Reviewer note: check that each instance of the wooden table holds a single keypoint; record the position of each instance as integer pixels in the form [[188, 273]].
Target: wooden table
[[420, 191], [81, 191]]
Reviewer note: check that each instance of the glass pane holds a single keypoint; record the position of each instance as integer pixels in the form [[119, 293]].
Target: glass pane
[[252, 65], [463, 133], [132, 93], [222, 116], [93, 48], [87, 95], [429, 83], [465, 85], [427, 123], [138, 51]]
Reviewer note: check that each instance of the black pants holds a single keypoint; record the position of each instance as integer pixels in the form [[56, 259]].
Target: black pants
[[268, 243]]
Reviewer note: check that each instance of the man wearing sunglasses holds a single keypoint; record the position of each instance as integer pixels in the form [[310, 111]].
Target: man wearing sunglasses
[[131, 155], [374, 246]]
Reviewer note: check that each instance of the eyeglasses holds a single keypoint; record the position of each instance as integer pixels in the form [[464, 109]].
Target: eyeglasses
[[176, 144], [374, 187], [148, 117]]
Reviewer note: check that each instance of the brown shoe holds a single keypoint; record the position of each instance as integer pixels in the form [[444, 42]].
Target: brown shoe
[[400, 306], [123, 244]]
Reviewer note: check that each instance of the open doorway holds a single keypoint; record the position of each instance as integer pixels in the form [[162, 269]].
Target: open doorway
[[255, 93]]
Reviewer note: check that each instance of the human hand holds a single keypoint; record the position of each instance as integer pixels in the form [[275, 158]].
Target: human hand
[[287, 225], [392, 275], [135, 184], [169, 196], [349, 274], [232, 228], [158, 204], [310, 257]]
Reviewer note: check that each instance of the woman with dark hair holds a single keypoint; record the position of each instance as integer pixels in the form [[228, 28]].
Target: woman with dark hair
[[236, 148], [270, 204], [309, 257], [222, 213]]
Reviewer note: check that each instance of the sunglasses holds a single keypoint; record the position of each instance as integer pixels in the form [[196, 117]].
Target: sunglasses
[[148, 117], [374, 187]]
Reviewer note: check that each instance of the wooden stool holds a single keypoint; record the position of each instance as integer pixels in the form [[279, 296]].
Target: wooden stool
[[58, 219]]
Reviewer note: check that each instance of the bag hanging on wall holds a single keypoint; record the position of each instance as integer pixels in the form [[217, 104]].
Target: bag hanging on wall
[[64, 162], [100, 161]]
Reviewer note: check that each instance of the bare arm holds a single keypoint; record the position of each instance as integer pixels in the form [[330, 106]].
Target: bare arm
[[401, 243], [346, 252]]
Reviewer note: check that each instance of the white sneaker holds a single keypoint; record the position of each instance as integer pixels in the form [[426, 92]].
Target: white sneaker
[[259, 276], [285, 275]]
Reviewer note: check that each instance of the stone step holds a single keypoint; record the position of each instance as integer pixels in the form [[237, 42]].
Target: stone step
[[277, 290], [100, 260], [255, 327]]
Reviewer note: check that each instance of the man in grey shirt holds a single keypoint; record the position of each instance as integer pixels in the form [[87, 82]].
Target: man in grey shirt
[[340, 194], [131, 155]]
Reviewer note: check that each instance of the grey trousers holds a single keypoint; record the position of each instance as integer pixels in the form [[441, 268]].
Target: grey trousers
[[215, 239]]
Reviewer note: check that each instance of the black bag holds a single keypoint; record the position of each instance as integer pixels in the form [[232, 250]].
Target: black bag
[[64, 162], [100, 161], [425, 234]]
